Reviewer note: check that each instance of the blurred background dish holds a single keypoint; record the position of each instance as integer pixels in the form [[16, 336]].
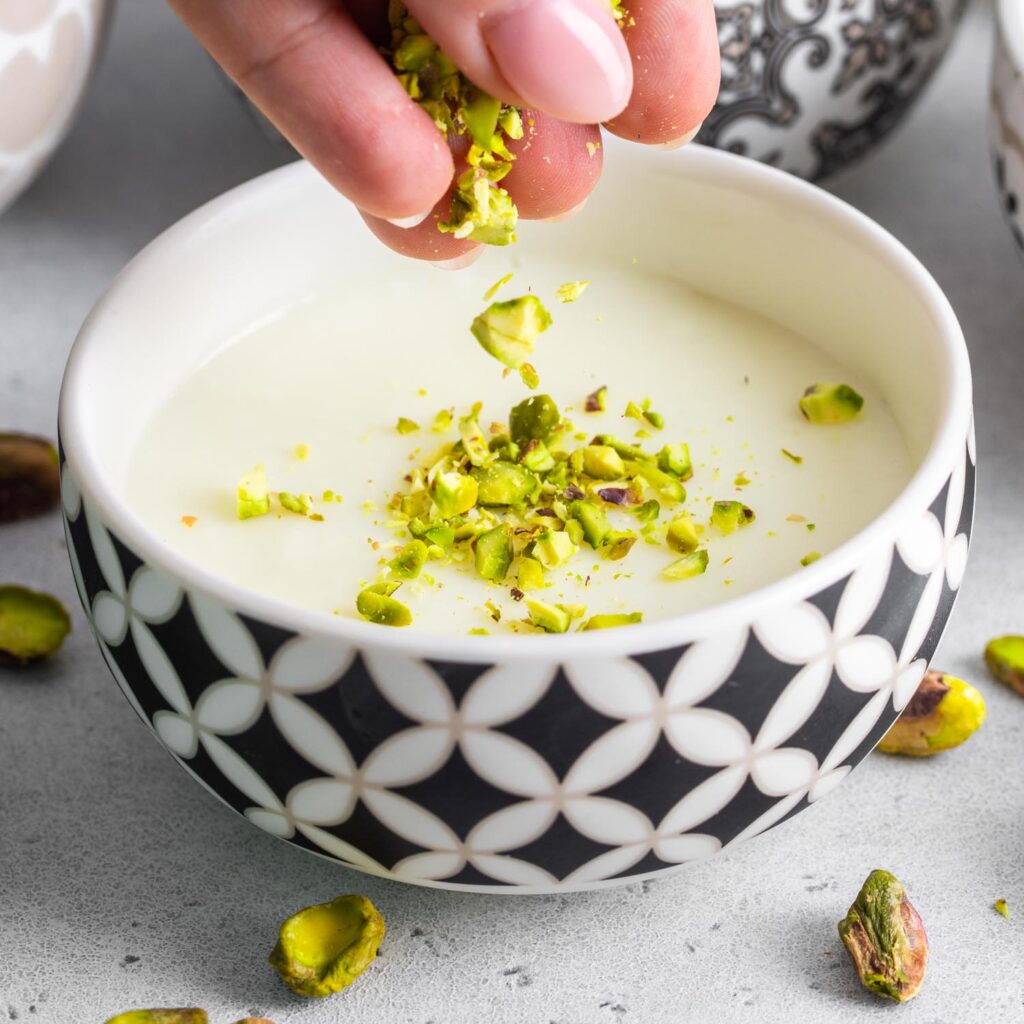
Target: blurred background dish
[[1006, 114], [48, 49]]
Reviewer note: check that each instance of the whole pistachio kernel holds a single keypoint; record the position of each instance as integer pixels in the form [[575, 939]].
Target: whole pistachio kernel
[[885, 938], [553, 548], [593, 521], [29, 476], [682, 535], [504, 483], [552, 618], [324, 948], [602, 462], [375, 604], [533, 419], [613, 621], [693, 564], [728, 516], [251, 495], [1004, 657], [409, 562], [830, 403], [167, 1016], [493, 553], [943, 713], [454, 493], [32, 625], [508, 330]]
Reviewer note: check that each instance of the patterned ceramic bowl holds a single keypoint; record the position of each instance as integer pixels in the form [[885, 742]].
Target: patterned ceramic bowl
[[809, 85], [527, 763], [47, 51], [1006, 114]]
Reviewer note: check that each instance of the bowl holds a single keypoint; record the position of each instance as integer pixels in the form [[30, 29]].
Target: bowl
[[48, 50], [811, 87], [527, 763], [1006, 114]]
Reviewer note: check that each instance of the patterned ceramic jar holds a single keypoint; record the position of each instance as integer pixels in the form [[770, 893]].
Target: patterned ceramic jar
[[47, 51], [1006, 118], [527, 763], [809, 85]]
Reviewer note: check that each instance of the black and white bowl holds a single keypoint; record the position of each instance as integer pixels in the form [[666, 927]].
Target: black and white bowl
[[527, 763], [1006, 114]]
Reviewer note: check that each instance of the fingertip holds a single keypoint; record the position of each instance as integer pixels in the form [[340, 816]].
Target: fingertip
[[425, 241]]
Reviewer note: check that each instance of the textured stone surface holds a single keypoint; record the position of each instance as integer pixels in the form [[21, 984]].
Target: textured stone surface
[[122, 883]]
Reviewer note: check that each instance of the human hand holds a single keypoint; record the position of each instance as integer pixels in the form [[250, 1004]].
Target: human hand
[[314, 67]]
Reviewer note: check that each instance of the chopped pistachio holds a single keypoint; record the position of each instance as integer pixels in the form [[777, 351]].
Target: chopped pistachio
[[406, 426], [553, 548], [655, 419], [473, 441], [504, 483], [302, 452], [454, 493], [597, 401], [624, 448], [549, 617], [375, 604], [593, 521], [493, 553], [415, 505], [482, 210], [575, 531], [675, 459], [1002, 907], [183, 1016], [300, 504], [479, 631], [682, 535], [571, 290], [810, 557], [533, 419], [830, 403], [1004, 657], [612, 621], [442, 422], [509, 330], [798, 459], [530, 574], [885, 938], [497, 286], [324, 948], [252, 497], [664, 484], [537, 458], [439, 536], [33, 625], [693, 564], [408, 563], [633, 411], [529, 376], [29, 476], [618, 544], [602, 462], [741, 480], [648, 512], [943, 713], [728, 516]]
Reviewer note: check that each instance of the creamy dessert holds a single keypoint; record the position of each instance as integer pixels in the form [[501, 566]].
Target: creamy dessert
[[351, 402]]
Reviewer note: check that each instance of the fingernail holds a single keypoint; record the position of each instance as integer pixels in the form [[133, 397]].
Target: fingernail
[[410, 222], [567, 57], [682, 140], [558, 217], [459, 262]]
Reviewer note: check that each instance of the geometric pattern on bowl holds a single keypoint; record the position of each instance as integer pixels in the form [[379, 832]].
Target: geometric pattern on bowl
[[529, 776]]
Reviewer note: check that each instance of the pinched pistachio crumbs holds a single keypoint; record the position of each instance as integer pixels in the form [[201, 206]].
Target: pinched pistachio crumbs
[[798, 459], [830, 403], [571, 290], [728, 516], [597, 401], [509, 330], [811, 556], [612, 621], [406, 426], [251, 495], [497, 286], [1002, 907]]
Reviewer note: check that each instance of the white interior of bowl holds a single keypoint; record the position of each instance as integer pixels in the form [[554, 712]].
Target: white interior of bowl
[[1010, 15], [726, 225]]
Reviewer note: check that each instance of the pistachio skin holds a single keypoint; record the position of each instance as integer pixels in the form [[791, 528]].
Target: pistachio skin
[[185, 1016], [942, 714], [1004, 657], [885, 938], [29, 476], [324, 948]]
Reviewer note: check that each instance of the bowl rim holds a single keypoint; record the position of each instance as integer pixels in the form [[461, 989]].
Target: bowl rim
[[700, 162], [1010, 22]]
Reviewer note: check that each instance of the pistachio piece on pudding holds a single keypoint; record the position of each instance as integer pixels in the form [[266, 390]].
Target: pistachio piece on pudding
[[324, 948], [885, 938], [530, 574], [553, 548], [493, 553], [375, 604], [613, 621], [729, 516], [602, 462], [454, 493], [675, 459], [32, 625], [943, 713], [810, 558], [29, 476], [1004, 657], [693, 564], [549, 617], [409, 562], [252, 497], [681, 535], [504, 483], [831, 403], [509, 330], [406, 425], [593, 521]]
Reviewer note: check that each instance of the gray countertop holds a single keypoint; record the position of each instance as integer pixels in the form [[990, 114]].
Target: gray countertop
[[124, 884]]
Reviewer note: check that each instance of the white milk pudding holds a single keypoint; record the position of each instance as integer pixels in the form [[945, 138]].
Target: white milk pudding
[[314, 394]]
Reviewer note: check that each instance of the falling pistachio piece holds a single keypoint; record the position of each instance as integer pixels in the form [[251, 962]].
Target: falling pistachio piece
[[190, 1016], [32, 625], [324, 948], [943, 713], [29, 476], [252, 497], [571, 290], [831, 403], [534, 419], [885, 938], [1004, 657], [509, 330]]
